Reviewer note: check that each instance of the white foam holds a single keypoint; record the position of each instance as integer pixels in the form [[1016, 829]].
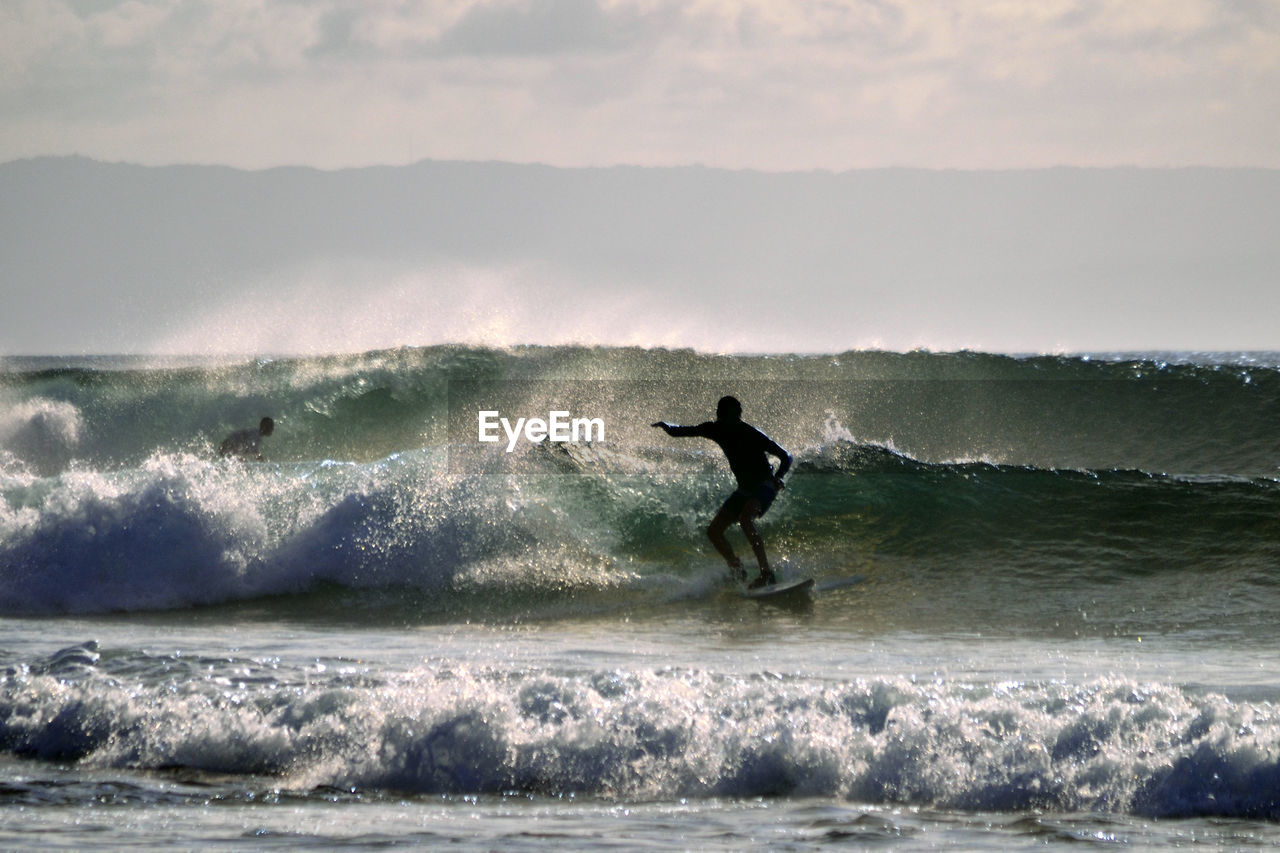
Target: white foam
[[41, 434], [180, 530], [1109, 745]]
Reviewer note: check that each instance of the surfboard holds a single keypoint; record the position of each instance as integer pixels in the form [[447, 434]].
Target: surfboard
[[786, 588], [840, 583]]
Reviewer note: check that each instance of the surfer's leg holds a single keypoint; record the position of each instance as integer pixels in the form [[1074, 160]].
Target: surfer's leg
[[715, 532], [747, 520]]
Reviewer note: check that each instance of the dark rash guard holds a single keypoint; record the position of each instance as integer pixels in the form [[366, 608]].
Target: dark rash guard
[[745, 448]]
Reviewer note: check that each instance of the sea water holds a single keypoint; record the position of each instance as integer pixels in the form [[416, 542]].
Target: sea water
[[1044, 610]]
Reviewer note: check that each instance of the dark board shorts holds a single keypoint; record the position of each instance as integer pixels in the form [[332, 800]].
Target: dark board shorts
[[763, 493]]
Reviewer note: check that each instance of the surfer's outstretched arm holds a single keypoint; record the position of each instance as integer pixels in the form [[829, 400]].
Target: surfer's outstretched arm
[[680, 431]]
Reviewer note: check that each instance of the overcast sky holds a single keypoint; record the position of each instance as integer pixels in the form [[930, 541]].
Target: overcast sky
[[761, 84]]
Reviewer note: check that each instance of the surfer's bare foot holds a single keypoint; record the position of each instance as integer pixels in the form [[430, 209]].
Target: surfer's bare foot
[[766, 579]]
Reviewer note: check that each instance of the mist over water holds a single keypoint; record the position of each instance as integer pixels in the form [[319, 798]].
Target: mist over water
[[212, 260]]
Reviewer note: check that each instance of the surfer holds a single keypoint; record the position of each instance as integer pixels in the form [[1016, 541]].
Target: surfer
[[758, 484], [244, 444]]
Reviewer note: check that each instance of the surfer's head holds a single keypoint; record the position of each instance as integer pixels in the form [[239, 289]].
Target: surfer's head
[[266, 426], [728, 409]]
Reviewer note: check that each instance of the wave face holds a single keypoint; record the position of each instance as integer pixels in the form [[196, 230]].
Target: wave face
[[925, 470]]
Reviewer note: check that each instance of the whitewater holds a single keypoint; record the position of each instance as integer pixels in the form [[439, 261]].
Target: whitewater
[[1044, 609]]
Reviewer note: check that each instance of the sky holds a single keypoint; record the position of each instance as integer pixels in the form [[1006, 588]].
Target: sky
[[739, 84], [825, 87]]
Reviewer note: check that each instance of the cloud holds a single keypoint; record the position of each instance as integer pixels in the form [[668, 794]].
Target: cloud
[[738, 83], [548, 28]]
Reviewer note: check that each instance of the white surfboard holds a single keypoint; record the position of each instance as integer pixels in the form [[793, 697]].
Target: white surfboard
[[787, 588]]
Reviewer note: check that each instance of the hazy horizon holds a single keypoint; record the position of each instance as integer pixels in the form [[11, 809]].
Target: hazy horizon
[[640, 167], [216, 260]]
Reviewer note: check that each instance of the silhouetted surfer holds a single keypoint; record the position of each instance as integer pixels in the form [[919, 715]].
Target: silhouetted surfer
[[244, 444], [758, 484]]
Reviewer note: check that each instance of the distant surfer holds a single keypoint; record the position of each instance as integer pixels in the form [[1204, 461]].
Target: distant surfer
[[758, 484], [246, 443]]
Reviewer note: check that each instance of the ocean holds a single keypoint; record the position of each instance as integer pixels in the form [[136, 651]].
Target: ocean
[[1044, 611]]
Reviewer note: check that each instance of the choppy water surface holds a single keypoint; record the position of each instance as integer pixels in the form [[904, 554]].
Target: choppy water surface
[[1044, 609]]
